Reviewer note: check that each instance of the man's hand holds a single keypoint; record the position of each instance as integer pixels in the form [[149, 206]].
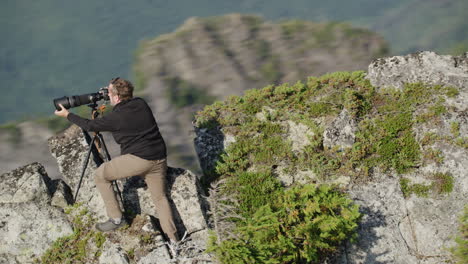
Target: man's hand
[[63, 112]]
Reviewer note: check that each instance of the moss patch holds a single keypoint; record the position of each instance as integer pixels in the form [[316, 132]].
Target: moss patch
[[442, 183]]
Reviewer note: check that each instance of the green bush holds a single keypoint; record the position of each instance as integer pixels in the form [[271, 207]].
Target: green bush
[[302, 225]]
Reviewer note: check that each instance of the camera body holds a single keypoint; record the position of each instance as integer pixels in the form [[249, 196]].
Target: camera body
[[78, 100]]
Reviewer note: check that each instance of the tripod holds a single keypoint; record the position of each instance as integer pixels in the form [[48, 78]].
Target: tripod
[[96, 146]]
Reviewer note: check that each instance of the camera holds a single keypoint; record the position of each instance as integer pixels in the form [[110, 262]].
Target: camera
[[77, 100]]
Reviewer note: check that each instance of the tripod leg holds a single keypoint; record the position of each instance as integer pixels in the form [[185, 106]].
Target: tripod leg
[[84, 168]]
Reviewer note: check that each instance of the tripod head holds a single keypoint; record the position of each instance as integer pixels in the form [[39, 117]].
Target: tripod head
[[96, 110]]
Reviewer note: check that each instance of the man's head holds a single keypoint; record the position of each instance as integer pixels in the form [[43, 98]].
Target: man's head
[[120, 90]]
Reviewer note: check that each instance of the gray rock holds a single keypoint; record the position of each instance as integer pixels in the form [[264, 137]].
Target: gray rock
[[25, 184], [28, 229], [341, 132], [299, 135], [28, 223], [187, 195], [62, 196], [113, 254], [426, 67], [70, 149], [159, 255], [380, 237], [209, 145]]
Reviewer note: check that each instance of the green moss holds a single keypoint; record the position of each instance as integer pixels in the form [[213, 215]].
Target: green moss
[[131, 253], [451, 91], [99, 239], [462, 142], [434, 155], [407, 188], [146, 238], [429, 138], [455, 129], [442, 183]]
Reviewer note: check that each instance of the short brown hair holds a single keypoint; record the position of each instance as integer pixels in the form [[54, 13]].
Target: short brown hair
[[123, 88]]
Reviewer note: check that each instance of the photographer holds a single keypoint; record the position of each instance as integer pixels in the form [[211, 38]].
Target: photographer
[[143, 153]]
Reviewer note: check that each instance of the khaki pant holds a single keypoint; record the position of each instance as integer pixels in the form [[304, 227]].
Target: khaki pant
[[154, 174]]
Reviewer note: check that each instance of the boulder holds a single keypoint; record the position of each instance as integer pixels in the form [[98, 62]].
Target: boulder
[[29, 224], [70, 149]]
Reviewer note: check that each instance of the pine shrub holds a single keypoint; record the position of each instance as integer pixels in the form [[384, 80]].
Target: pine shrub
[[302, 225]]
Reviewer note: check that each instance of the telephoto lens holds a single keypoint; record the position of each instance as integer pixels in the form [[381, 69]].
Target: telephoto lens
[[74, 101]]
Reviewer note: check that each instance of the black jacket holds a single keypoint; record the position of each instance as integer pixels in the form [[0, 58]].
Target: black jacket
[[133, 127]]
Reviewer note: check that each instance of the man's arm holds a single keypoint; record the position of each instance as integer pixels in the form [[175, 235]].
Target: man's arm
[[109, 122]]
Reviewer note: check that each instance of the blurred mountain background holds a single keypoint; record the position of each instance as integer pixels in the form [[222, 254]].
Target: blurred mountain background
[[53, 48]]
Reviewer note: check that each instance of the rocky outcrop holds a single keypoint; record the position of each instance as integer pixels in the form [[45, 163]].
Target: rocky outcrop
[[396, 227], [70, 149], [426, 67], [209, 59], [29, 224]]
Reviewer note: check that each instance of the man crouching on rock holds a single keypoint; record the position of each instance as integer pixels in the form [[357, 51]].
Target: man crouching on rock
[[143, 153]]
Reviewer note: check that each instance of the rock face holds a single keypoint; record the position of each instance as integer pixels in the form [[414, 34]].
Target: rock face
[[427, 67], [210, 59], [397, 228], [28, 222], [70, 149]]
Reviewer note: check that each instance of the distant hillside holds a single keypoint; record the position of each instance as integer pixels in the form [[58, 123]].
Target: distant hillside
[[209, 59], [53, 48], [416, 25]]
